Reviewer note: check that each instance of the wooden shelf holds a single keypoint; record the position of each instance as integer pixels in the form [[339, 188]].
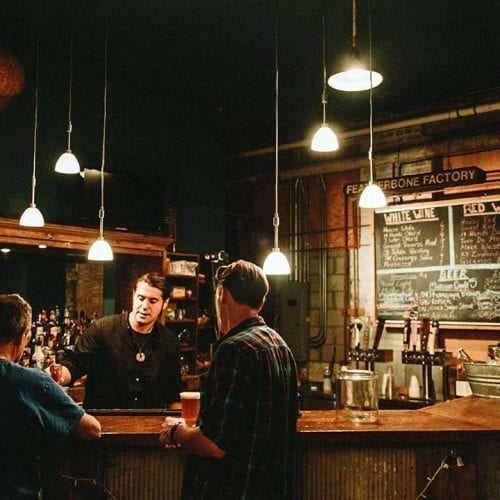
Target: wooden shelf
[[188, 305], [80, 238]]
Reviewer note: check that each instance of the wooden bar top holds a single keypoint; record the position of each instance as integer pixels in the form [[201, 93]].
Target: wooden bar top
[[459, 419], [467, 418]]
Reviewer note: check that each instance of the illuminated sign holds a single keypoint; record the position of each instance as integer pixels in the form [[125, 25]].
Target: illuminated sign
[[431, 181]]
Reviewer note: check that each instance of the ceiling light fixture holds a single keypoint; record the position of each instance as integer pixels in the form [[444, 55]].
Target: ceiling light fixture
[[372, 196], [67, 162], [325, 139], [101, 250], [355, 76], [32, 217], [276, 263]]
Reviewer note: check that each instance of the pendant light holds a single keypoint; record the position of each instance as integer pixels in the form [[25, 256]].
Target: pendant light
[[325, 139], [67, 162], [355, 76], [101, 249], [32, 217], [276, 263], [372, 196]]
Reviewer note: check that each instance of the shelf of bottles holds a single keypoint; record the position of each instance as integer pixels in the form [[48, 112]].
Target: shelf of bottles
[[181, 314], [51, 334]]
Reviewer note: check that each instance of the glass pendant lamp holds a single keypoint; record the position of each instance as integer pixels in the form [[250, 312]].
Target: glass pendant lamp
[[324, 140], [32, 217], [276, 263], [372, 196], [354, 76], [67, 163], [101, 250]]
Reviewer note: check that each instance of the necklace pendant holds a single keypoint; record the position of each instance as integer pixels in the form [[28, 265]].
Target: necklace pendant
[[140, 357]]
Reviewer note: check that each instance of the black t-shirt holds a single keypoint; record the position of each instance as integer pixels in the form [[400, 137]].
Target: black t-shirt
[[107, 353]]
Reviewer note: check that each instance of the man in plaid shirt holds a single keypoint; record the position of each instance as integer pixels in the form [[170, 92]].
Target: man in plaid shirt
[[242, 446]]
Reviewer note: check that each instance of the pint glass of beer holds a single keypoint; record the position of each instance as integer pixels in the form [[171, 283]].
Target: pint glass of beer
[[190, 403]]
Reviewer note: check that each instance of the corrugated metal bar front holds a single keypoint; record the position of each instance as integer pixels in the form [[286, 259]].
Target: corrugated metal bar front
[[133, 474], [354, 473]]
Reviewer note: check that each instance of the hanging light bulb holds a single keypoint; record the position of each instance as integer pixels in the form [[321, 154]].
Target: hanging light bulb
[[276, 263], [372, 196], [101, 249], [32, 217], [355, 77], [324, 140], [67, 162]]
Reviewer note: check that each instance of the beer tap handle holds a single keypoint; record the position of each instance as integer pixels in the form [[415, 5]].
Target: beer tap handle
[[378, 333], [439, 335], [366, 333], [431, 341], [406, 332]]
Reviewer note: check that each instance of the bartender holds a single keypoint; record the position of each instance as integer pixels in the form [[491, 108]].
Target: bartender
[[131, 360]]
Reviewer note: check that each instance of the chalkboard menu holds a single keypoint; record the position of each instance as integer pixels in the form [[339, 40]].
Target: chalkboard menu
[[442, 260]]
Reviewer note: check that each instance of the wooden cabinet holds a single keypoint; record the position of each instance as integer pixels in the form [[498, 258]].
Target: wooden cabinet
[[181, 314]]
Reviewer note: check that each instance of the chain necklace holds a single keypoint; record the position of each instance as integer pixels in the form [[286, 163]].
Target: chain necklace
[[140, 355]]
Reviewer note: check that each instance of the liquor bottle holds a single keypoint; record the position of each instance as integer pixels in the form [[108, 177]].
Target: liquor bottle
[[51, 329], [38, 357], [66, 339], [66, 320], [40, 327], [30, 341]]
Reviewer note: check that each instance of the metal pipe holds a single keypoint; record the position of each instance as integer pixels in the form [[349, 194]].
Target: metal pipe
[[452, 113]]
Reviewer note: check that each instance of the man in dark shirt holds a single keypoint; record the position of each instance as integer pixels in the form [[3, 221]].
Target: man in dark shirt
[[131, 360], [242, 446]]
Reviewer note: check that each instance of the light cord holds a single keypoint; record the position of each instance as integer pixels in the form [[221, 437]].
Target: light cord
[[101, 209], [276, 219], [70, 126], [370, 150], [35, 127], [324, 98], [354, 31], [443, 465]]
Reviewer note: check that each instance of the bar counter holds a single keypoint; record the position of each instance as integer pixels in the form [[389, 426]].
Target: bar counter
[[334, 460]]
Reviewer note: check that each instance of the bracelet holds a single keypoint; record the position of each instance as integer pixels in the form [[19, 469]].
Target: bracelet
[[171, 434]]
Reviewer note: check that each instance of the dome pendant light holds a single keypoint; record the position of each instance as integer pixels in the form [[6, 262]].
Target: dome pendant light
[[324, 140], [67, 162], [276, 263], [101, 249], [32, 217], [355, 77], [372, 196]]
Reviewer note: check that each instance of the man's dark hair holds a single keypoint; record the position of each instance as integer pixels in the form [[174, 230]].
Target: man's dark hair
[[246, 282], [15, 317], [156, 280]]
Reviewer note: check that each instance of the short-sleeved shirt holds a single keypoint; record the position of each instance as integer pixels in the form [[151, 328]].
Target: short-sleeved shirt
[[107, 351], [249, 408], [36, 415]]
